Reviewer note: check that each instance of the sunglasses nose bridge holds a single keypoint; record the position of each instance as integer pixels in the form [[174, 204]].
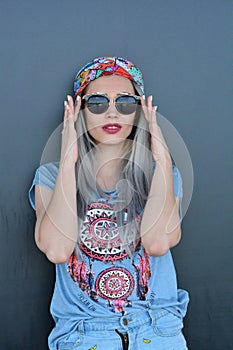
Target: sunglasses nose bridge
[[112, 111]]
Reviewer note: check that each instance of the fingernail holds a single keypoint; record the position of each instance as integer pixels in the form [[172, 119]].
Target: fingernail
[[143, 96], [68, 97], [77, 98], [156, 108], [151, 97], [66, 105]]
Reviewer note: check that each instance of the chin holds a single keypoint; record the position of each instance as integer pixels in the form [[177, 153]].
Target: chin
[[109, 139], [112, 141]]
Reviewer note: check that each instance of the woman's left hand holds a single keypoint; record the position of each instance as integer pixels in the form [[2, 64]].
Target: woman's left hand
[[159, 147]]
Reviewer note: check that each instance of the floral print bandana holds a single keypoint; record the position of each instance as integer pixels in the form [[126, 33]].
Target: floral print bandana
[[107, 66]]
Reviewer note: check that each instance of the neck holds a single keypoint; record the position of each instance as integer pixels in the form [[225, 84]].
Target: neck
[[110, 153], [108, 164]]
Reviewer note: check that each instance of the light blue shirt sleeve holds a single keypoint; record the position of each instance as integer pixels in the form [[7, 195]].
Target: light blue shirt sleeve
[[45, 176], [177, 184], [177, 180], [178, 187]]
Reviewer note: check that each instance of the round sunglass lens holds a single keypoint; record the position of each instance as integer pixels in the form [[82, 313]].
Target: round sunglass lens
[[97, 104], [126, 104]]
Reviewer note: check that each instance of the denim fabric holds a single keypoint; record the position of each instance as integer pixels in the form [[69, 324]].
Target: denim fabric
[[85, 290], [150, 329]]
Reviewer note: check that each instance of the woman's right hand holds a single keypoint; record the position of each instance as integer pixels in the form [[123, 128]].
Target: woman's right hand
[[69, 146]]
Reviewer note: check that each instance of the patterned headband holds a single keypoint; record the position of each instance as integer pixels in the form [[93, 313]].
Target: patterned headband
[[106, 66]]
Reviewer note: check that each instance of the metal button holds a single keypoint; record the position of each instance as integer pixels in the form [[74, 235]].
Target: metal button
[[125, 321]]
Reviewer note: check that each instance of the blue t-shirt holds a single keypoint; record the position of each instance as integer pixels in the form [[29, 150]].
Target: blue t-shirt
[[106, 281]]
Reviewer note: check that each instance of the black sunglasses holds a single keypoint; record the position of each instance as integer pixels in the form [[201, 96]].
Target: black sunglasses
[[99, 103]]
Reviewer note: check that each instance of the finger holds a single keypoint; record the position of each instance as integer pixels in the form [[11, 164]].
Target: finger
[[150, 108], [143, 100], [70, 109], [154, 117], [65, 116], [149, 102], [144, 106], [70, 115], [77, 100], [70, 103], [65, 110], [77, 107]]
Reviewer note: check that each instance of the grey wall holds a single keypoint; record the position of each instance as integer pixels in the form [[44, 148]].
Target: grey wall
[[184, 49]]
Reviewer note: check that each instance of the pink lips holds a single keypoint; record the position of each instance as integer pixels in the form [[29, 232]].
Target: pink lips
[[111, 128]]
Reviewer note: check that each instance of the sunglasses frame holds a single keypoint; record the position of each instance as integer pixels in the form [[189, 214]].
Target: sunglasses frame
[[136, 97]]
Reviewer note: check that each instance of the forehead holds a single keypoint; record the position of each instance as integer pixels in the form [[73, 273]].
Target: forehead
[[113, 83]]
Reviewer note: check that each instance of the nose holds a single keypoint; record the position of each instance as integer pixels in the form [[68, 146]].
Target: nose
[[112, 112]]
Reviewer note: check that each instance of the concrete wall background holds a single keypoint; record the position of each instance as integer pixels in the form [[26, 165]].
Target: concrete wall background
[[184, 49]]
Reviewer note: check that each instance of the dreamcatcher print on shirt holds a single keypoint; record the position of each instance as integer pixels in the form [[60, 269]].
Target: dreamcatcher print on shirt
[[100, 241]]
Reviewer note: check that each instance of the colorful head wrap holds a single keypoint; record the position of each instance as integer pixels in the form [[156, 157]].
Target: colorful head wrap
[[106, 66]]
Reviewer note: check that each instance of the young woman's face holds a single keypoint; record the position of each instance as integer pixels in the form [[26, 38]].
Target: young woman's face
[[110, 127]]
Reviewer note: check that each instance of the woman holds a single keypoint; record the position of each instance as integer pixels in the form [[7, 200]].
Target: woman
[[108, 214]]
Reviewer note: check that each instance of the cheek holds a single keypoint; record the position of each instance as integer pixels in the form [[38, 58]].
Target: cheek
[[128, 130], [130, 121], [91, 122]]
